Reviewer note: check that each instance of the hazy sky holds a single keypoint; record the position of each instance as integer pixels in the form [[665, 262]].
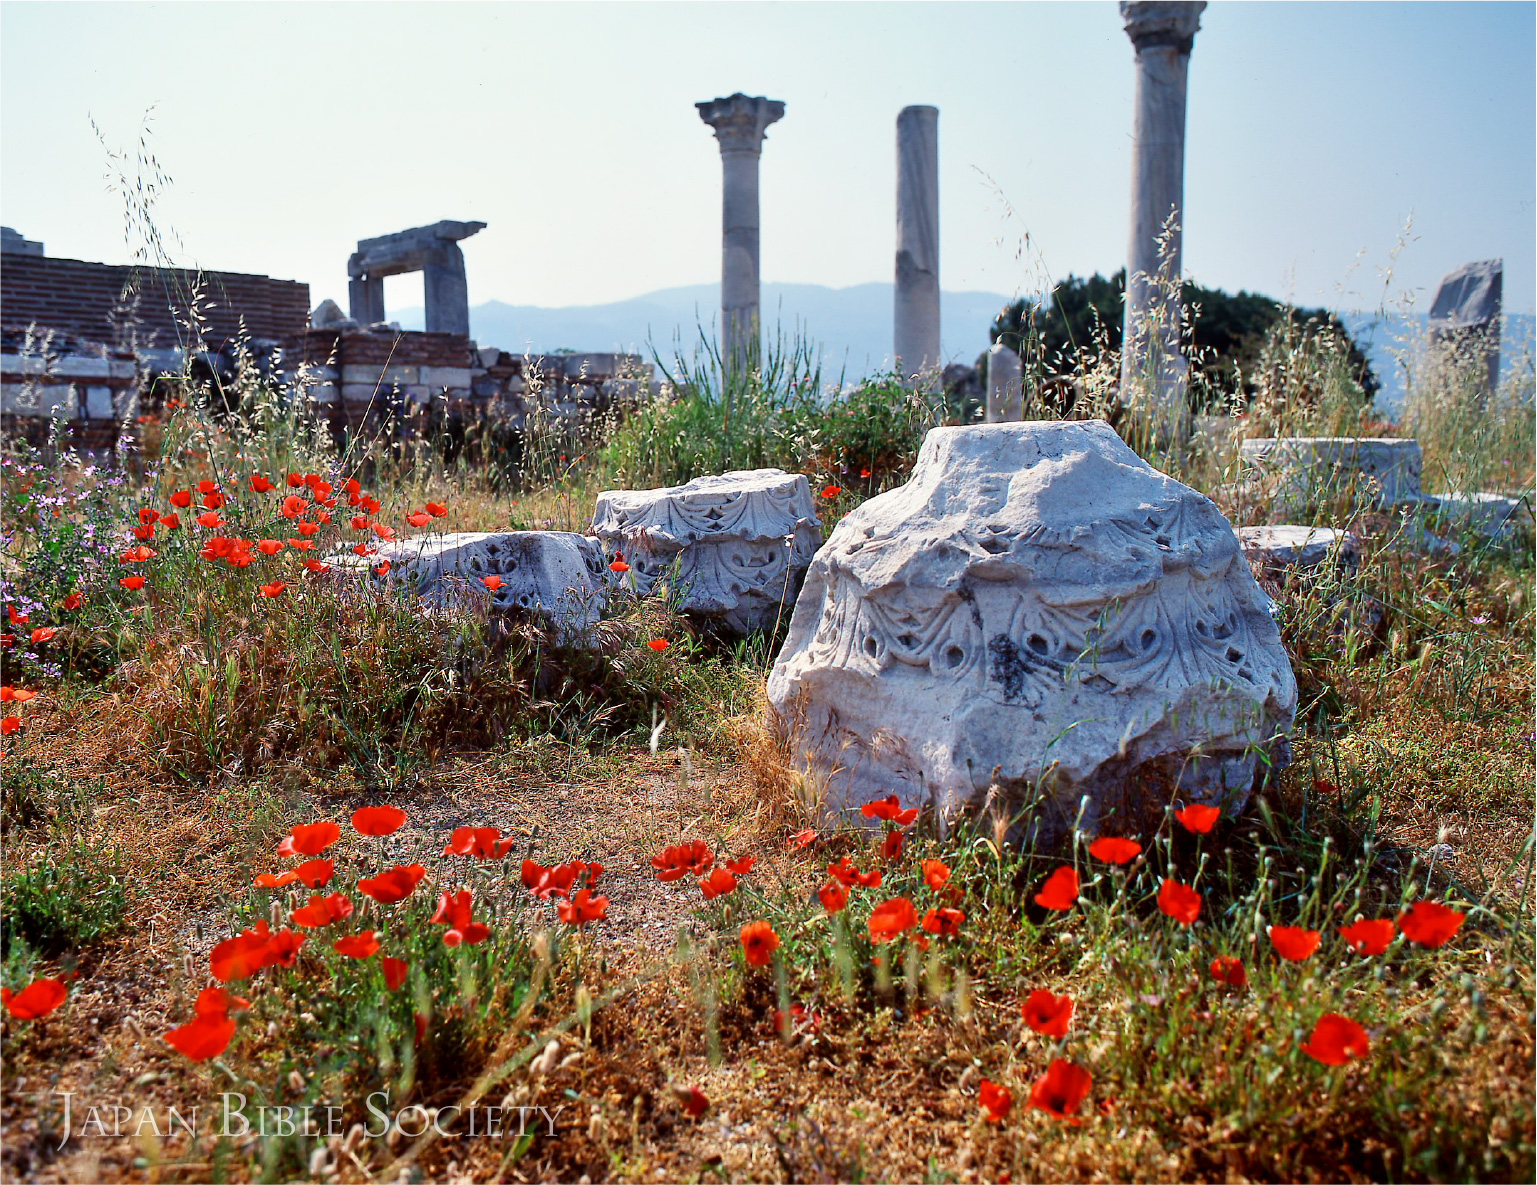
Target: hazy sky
[[292, 130]]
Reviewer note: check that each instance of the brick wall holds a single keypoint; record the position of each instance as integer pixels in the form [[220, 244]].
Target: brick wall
[[86, 299]]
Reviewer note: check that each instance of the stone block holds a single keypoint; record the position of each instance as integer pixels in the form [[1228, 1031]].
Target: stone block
[[1276, 548], [1303, 471], [1040, 602], [325, 393], [48, 401], [98, 403], [1493, 516], [445, 376]]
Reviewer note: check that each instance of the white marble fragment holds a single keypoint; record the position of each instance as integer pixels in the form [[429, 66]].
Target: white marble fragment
[[1302, 471]]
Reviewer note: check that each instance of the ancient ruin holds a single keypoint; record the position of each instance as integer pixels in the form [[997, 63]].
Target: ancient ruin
[[1465, 316], [1298, 472], [432, 250], [1005, 385], [915, 317]]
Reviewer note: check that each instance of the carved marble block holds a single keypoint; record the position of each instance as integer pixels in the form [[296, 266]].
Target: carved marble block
[[1301, 471], [1040, 601], [742, 542], [1276, 548], [555, 575]]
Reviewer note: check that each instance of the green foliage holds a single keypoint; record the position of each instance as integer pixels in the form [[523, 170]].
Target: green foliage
[[63, 899]]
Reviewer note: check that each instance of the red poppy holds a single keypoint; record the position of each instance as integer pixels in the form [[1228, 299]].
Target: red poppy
[[9, 725], [557, 880], [695, 1102], [831, 491], [1430, 923], [269, 546], [203, 1037], [36, 1000], [210, 520], [360, 522], [1336, 1040], [310, 839], [276, 589], [171, 522], [802, 839], [394, 972], [383, 531], [43, 634], [1180, 902], [1047, 1014], [294, 506], [419, 518], [454, 911], [582, 908], [436, 509], [759, 942], [834, 896], [315, 874], [316, 566], [1198, 818], [678, 860], [1369, 936], [889, 809], [1112, 849], [300, 544], [216, 1001], [207, 487], [268, 881], [891, 846], [892, 918], [369, 504], [1228, 970], [619, 566], [181, 499], [148, 516], [259, 484], [996, 1100], [393, 885], [483, 842], [357, 946], [284, 947], [864, 473], [295, 480], [213, 501], [944, 922], [322, 911], [240, 956], [378, 820], [658, 644], [936, 874], [742, 865], [15, 693], [73, 601], [1294, 943], [306, 529], [1061, 1089], [144, 533], [363, 549], [717, 884], [493, 582], [1060, 890], [17, 618], [1320, 786], [383, 568]]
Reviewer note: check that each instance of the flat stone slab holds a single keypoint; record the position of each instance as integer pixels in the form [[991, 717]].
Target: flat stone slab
[[1039, 601], [1491, 515], [1305, 470], [741, 541], [555, 575], [1294, 547]]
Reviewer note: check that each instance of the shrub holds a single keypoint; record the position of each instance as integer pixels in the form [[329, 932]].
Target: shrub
[[61, 900]]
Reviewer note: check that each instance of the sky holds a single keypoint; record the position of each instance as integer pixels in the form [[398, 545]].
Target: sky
[[1316, 132]]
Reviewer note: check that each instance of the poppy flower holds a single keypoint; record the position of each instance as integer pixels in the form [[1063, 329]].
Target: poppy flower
[[36, 1000], [436, 509], [259, 484], [283, 949], [43, 634], [17, 694], [1112, 849], [393, 885], [394, 972], [742, 866], [9, 724], [322, 517], [1294, 943], [210, 520], [619, 566], [213, 501], [1049, 1015], [295, 480], [148, 516], [369, 504], [309, 839], [833, 896], [207, 487], [582, 908], [270, 546], [181, 499], [243, 955], [483, 842], [322, 911], [1336, 1040], [383, 569], [717, 884], [996, 1100], [944, 922], [171, 522], [695, 1101], [1228, 970], [363, 549], [493, 582], [357, 946], [294, 506], [831, 491], [936, 874], [306, 529], [658, 644], [889, 809], [216, 1001], [383, 531], [1198, 818], [1180, 902], [269, 881], [203, 1037], [843, 871], [73, 601], [556, 880], [892, 918], [802, 839], [419, 518], [1061, 1089], [674, 862], [316, 566], [1320, 786], [454, 911], [276, 589], [314, 874], [378, 820], [1369, 936], [1060, 890], [759, 942], [891, 846], [313, 480], [300, 544], [360, 522], [864, 473], [17, 618], [1430, 923]]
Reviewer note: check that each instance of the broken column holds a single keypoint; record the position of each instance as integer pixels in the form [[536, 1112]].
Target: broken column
[[432, 250], [1152, 367], [1005, 385], [740, 124], [916, 313], [1465, 317]]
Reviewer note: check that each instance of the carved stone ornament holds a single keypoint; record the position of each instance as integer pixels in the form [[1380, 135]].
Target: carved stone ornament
[[555, 575], [741, 541], [1040, 601], [740, 121]]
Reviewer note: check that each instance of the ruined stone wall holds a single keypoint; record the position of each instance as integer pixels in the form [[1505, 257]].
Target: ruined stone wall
[[86, 388]]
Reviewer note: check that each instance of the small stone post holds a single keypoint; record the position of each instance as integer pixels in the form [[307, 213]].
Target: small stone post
[[916, 313], [1163, 33], [741, 125], [1005, 385], [1465, 318]]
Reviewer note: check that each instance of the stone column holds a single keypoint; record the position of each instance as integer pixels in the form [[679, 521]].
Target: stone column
[[365, 298], [1163, 33], [916, 313], [1005, 385], [740, 125], [446, 291]]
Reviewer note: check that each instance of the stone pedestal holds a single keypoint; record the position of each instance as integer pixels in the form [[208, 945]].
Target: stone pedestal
[[1152, 369], [740, 125], [1039, 601], [1464, 318], [733, 547], [916, 313], [1005, 385], [1300, 472]]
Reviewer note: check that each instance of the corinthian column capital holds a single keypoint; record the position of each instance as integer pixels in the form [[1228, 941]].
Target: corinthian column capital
[[1162, 22], [741, 122]]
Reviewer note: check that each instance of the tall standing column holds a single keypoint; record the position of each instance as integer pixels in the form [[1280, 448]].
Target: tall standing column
[[740, 124], [1163, 34], [916, 313]]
